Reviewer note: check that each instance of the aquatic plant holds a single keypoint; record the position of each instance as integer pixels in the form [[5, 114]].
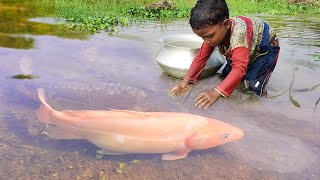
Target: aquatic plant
[[317, 57], [16, 21], [94, 24], [105, 15], [273, 7], [17, 42], [316, 104], [24, 76], [162, 9]]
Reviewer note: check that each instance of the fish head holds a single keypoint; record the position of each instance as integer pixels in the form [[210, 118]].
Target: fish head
[[213, 134]]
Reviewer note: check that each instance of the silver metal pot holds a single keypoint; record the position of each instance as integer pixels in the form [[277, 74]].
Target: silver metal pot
[[178, 52]]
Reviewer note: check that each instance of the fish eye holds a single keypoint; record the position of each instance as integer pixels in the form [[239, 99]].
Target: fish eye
[[225, 135]]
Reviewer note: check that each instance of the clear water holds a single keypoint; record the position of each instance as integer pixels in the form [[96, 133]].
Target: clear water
[[78, 71]]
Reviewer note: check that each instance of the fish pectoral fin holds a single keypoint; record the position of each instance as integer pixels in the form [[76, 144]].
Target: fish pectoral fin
[[107, 152], [59, 133], [175, 155]]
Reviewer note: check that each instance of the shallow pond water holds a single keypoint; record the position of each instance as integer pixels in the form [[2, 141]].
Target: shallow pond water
[[78, 71]]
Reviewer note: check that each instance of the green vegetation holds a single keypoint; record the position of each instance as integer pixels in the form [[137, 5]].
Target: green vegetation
[[274, 7], [16, 42], [14, 23], [95, 15]]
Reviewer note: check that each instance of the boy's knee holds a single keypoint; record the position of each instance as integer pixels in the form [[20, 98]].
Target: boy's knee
[[257, 87]]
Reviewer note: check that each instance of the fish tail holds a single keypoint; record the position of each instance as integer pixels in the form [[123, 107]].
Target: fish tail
[[44, 111], [42, 98]]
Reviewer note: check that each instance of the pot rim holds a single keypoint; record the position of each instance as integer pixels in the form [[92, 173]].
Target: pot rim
[[180, 37]]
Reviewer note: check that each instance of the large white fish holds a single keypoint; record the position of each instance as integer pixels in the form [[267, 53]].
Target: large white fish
[[122, 132]]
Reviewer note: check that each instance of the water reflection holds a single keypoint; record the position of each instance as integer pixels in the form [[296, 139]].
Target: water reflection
[[282, 141], [15, 24], [16, 42]]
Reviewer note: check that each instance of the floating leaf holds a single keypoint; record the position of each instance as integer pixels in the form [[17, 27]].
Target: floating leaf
[[317, 57], [316, 104], [306, 89], [24, 76], [294, 102]]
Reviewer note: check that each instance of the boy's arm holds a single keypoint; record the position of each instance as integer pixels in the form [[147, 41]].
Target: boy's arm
[[240, 61], [199, 62]]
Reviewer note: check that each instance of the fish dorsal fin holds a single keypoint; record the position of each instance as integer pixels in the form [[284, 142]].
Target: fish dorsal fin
[[137, 114], [116, 113], [74, 113]]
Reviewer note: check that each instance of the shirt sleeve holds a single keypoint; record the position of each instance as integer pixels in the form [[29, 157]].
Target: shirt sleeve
[[199, 62], [240, 61]]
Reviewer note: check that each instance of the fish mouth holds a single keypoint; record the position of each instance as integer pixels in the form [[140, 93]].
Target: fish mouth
[[239, 134]]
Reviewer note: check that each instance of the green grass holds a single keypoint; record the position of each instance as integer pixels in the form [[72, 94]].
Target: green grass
[[98, 8], [274, 7], [96, 15]]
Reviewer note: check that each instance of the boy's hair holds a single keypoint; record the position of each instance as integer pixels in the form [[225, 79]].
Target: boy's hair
[[208, 12]]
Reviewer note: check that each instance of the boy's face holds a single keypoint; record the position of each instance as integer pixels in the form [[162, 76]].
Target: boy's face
[[213, 35]]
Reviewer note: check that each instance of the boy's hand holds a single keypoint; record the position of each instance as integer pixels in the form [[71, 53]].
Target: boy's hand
[[181, 88], [206, 99]]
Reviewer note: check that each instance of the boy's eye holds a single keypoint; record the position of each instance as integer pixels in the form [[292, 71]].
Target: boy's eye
[[209, 36]]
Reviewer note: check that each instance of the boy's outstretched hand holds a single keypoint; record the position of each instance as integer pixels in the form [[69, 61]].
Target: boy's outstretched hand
[[181, 88], [207, 98]]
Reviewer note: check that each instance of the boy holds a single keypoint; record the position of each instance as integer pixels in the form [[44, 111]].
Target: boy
[[249, 44]]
